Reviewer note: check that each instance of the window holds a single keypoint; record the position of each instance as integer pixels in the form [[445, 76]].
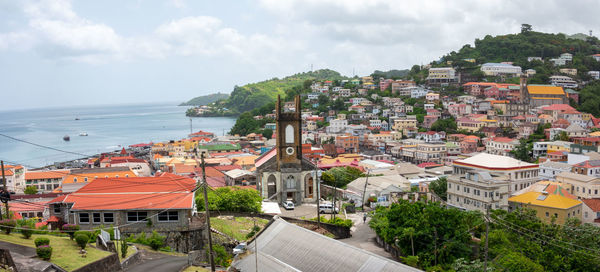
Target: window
[[74, 179], [136, 216], [168, 216], [85, 179], [547, 214], [84, 218], [109, 218], [290, 182], [56, 208], [96, 218]]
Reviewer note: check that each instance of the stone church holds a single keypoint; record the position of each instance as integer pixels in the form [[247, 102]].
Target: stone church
[[283, 173]]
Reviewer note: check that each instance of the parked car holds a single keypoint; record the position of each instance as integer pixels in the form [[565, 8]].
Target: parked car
[[288, 205], [327, 208], [241, 248]]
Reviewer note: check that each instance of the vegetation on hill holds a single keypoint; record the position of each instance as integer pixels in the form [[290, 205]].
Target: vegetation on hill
[[256, 95], [435, 238], [393, 74], [205, 99], [517, 48]]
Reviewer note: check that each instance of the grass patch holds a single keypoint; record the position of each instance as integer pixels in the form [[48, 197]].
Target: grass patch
[[148, 248], [195, 269], [130, 251], [65, 252], [237, 228]]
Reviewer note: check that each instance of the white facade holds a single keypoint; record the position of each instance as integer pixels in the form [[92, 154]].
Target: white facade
[[563, 81], [549, 169], [418, 92], [337, 125], [496, 69]]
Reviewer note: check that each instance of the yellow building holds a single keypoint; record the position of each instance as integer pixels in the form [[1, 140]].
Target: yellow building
[[559, 146], [401, 124], [548, 206], [540, 95]]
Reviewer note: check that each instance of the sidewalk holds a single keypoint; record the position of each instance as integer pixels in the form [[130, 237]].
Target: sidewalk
[[364, 237]]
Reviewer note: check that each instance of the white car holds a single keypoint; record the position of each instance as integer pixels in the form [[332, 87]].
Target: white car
[[241, 248], [327, 208], [288, 205]]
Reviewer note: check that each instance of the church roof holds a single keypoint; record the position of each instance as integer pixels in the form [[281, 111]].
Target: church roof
[[545, 89]]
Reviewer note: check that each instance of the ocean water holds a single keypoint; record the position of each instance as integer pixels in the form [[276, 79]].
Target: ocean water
[[108, 127]]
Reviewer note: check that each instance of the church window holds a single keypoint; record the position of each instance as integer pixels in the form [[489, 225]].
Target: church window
[[289, 134], [290, 182]]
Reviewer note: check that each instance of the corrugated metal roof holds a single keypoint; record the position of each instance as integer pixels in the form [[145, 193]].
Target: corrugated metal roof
[[286, 247]]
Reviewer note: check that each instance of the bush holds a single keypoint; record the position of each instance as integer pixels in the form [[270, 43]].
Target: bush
[[44, 252], [42, 241], [124, 247], [7, 225], [222, 257], [156, 241], [70, 229], [83, 232], [82, 240], [253, 232], [26, 231]]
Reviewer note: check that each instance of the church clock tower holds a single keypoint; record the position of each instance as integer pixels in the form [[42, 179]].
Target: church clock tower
[[289, 135]]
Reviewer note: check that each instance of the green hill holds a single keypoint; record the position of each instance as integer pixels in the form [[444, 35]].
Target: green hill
[[205, 99], [255, 95]]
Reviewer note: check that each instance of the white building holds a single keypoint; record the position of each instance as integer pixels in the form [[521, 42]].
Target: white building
[[337, 126], [496, 69], [418, 92], [540, 149], [594, 74], [550, 169], [563, 81], [478, 190]]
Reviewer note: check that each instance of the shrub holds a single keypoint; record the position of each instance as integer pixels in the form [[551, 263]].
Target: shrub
[[7, 225], [41, 241], [82, 240], [83, 232], [221, 255], [156, 241], [254, 230], [70, 229], [124, 247], [26, 231], [44, 252]]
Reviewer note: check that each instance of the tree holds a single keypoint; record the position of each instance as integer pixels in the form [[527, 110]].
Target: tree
[[440, 187], [233, 200], [410, 232], [525, 28], [521, 151], [444, 125], [267, 133], [31, 190]]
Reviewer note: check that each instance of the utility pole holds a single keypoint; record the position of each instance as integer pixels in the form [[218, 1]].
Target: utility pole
[[365, 190], [5, 192], [255, 248], [210, 251], [318, 194], [334, 193]]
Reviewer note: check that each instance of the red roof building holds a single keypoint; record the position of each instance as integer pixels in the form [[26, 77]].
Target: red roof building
[[166, 200]]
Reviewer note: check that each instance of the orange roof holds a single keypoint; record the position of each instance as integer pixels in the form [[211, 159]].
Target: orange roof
[[542, 89], [8, 172], [149, 193], [183, 168], [93, 175], [57, 174], [210, 172]]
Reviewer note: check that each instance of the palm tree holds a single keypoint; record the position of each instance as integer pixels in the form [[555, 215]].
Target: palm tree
[[410, 232]]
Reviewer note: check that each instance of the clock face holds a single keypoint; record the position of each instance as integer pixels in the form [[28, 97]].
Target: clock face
[[289, 150]]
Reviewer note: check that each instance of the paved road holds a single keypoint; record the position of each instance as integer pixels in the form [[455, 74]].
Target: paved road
[[364, 237], [169, 263], [152, 261]]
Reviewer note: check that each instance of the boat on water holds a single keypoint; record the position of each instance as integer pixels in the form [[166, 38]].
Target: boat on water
[[66, 138], [83, 134], [76, 118]]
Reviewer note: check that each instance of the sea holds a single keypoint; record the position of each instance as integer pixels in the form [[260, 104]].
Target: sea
[[109, 128]]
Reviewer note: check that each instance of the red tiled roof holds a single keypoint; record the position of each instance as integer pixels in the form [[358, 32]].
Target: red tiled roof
[[593, 203], [164, 192], [224, 168], [211, 171], [502, 139], [56, 174], [558, 107]]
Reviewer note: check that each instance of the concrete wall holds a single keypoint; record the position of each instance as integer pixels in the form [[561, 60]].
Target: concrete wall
[[6, 259], [132, 260], [107, 264]]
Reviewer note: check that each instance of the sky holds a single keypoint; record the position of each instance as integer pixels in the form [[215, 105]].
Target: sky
[[76, 53]]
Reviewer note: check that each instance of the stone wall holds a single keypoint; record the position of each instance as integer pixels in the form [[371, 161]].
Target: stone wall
[[181, 241], [6, 259], [338, 231], [107, 264], [132, 260]]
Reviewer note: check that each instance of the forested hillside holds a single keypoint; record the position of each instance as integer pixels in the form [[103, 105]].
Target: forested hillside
[[205, 99], [255, 95]]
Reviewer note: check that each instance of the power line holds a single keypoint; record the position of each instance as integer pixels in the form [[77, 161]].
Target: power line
[[44, 146], [547, 237], [536, 238]]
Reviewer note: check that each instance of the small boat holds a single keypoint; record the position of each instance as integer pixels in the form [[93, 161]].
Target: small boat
[[76, 118], [66, 138], [83, 134]]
